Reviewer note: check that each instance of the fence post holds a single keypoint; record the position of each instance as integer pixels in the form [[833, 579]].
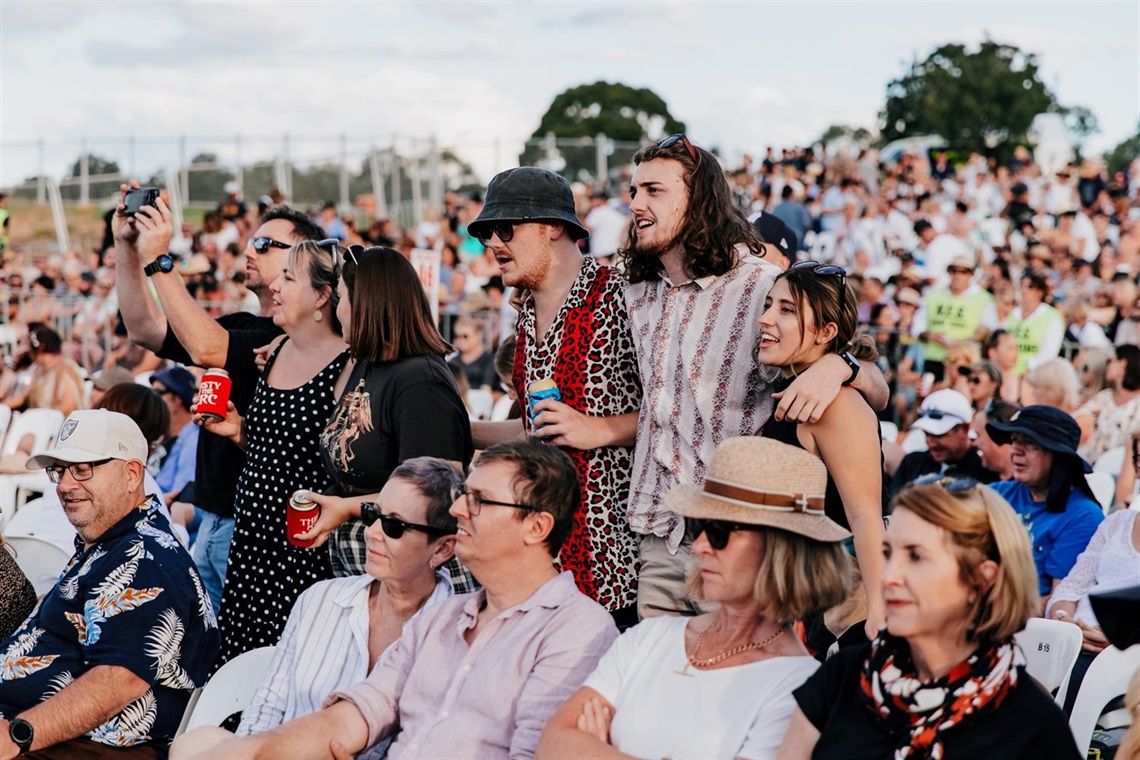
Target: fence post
[[601, 159], [183, 169], [345, 205], [435, 179], [395, 180], [41, 188], [381, 207], [240, 173], [58, 215], [85, 176], [417, 190]]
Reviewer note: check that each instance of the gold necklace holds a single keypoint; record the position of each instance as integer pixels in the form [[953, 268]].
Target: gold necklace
[[699, 664]]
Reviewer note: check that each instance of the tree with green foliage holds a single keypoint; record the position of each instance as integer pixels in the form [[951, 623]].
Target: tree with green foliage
[[620, 112], [95, 165], [981, 101], [1123, 154]]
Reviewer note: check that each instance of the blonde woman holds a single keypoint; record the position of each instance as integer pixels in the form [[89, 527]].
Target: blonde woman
[[946, 679]]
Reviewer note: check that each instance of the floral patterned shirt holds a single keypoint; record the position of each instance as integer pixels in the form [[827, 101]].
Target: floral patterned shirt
[[132, 599]]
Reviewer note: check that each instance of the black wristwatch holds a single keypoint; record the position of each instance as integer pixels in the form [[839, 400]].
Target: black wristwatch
[[853, 363], [21, 733], [164, 264]]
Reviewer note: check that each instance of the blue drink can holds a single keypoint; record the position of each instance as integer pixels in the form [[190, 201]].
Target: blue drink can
[[536, 392]]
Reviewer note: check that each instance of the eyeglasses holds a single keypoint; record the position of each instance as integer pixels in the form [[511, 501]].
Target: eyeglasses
[[394, 527], [505, 231], [475, 501], [672, 140], [827, 271], [716, 531], [1026, 443], [263, 244], [79, 470], [959, 270], [955, 486]]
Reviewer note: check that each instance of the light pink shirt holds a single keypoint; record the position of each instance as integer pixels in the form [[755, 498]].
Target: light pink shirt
[[696, 350], [493, 698]]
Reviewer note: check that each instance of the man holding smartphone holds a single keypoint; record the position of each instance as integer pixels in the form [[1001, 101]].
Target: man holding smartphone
[[184, 332]]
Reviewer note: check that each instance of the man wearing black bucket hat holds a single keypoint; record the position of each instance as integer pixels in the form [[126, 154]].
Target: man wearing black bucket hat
[[1048, 490], [572, 328]]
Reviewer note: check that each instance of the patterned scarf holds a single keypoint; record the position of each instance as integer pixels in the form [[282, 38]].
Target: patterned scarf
[[892, 691]]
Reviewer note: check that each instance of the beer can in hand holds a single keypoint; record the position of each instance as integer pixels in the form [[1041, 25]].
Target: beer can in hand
[[536, 392], [214, 393], [303, 515]]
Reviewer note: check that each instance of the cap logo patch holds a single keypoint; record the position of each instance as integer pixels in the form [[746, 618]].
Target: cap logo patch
[[122, 446], [1015, 416], [68, 428]]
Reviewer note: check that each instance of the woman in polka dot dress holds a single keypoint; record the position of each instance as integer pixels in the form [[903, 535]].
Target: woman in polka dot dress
[[294, 399]]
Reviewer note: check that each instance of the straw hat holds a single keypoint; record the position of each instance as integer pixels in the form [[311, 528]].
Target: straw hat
[[759, 481]]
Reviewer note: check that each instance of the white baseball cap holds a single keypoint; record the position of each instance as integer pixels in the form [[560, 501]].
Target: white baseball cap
[[91, 435], [942, 411]]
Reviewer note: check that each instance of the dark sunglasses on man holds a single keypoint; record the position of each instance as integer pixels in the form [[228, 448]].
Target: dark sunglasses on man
[[394, 527], [263, 244]]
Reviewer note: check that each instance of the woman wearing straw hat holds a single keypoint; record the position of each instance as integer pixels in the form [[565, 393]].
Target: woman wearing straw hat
[[809, 313], [945, 680], [719, 685]]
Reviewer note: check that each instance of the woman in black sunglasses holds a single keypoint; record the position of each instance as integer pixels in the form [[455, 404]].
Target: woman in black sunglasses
[[810, 312], [397, 398]]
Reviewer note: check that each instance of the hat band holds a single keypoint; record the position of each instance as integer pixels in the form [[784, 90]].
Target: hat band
[[775, 501]]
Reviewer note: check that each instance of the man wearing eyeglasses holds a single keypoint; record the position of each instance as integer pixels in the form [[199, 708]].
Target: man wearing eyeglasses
[[696, 288], [945, 418], [105, 666], [184, 332], [477, 675]]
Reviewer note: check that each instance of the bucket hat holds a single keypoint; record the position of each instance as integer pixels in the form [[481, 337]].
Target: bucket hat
[[1047, 426], [528, 194], [758, 481]]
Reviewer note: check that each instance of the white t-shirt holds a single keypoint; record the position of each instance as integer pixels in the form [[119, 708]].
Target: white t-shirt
[[607, 230], [733, 712]]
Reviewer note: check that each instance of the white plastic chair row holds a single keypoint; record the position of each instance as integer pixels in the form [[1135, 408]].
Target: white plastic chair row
[[42, 425], [1106, 679], [228, 691], [40, 560]]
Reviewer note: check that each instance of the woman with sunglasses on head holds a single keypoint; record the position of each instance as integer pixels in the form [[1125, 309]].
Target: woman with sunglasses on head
[[719, 685], [945, 680], [396, 400], [342, 629], [808, 314], [293, 399]]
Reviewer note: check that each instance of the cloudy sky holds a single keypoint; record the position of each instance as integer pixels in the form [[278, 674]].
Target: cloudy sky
[[479, 75]]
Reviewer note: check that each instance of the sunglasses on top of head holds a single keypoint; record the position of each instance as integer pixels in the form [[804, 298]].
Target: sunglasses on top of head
[[716, 531], [263, 244], [394, 527], [672, 140], [827, 270]]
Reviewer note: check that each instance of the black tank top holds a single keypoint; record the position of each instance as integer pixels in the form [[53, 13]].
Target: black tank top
[[786, 432]]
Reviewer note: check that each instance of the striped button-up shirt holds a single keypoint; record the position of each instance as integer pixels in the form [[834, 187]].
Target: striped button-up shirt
[[696, 349], [490, 698]]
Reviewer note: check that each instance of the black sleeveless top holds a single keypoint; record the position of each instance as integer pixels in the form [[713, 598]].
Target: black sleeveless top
[[785, 431]]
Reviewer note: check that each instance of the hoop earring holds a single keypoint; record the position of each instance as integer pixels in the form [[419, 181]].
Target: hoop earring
[[318, 316]]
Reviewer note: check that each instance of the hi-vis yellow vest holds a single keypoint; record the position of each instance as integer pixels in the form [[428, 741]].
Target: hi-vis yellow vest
[[957, 316], [1030, 333]]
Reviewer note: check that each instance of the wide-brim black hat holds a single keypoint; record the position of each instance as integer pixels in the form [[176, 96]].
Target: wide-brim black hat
[[528, 194], [1118, 613], [1047, 426]]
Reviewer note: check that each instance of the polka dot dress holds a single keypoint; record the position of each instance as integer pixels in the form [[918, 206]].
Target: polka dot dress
[[266, 573]]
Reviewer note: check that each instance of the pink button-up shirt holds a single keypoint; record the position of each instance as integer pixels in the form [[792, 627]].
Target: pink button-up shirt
[[494, 697]]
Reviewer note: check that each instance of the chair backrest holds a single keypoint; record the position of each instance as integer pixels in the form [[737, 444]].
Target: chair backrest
[[889, 431], [1106, 679], [915, 440], [1103, 487], [480, 403], [502, 409], [43, 424], [40, 560], [1051, 648], [823, 247], [5, 420], [228, 691], [1111, 461]]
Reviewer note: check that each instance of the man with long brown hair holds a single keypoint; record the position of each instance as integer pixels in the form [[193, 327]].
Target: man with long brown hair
[[698, 279]]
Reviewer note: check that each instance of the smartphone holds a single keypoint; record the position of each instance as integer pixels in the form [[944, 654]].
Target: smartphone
[[139, 197]]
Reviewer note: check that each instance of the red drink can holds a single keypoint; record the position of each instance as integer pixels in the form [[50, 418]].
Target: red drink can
[[303, 515], [214, 393]]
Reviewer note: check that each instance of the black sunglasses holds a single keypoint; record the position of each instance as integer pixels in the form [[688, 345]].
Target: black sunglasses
[[827, 270], [716, 531], [394, 527], [505, 231], [938, 414], [955, 486], [263, 244], [672, 140]]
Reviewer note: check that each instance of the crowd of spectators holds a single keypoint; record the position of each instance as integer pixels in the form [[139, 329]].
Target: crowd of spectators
[[899, 376]]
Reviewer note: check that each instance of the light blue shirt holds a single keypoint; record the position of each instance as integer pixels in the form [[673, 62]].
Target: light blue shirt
[[178, 468]]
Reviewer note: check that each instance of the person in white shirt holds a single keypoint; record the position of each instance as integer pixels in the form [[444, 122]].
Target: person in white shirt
[[607, 226], [341, 629]]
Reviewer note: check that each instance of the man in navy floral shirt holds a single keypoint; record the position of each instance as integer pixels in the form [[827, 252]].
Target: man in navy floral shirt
[[105, 665]]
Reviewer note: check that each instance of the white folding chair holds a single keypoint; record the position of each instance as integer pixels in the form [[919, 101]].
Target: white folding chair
[[823, 247], [1106, 679], [1051, 648], [480, 404], [5, 421], [42, 424], [889, 431], [502, 408], [915, 441], [1111, 461], [40, 560], [1103, 487], [228, 691]]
